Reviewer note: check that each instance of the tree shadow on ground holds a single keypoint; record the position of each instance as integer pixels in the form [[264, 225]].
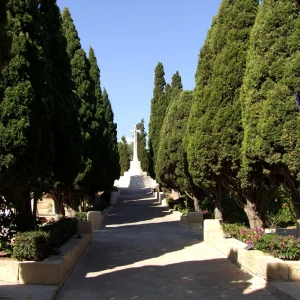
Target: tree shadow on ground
[[208, 279], [142, 201]]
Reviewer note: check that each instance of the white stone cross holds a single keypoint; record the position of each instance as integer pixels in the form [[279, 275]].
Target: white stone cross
[[135, 132]]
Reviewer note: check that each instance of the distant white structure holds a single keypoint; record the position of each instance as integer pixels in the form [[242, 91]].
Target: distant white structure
[[135, 164], [135, 169]]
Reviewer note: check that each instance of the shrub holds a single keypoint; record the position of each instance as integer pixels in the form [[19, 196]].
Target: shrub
[[34, 245], [283, 247], [282, 218], [60, 231], [233, 229], [82, 216]]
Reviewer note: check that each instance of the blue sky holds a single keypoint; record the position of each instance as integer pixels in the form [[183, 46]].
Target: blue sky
[[131, 36]]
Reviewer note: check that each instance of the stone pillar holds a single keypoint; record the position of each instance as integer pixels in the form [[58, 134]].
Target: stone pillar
[[96, 218]]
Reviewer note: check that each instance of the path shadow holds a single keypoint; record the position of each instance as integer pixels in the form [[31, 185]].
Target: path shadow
[[143, 203], [208, 279]]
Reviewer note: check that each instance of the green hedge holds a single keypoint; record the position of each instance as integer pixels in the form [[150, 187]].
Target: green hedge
[[37, 245], [32, 245], [60, 231]]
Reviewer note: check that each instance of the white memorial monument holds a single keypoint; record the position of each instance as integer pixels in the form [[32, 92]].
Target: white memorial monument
[[135, 175], [135, 164]]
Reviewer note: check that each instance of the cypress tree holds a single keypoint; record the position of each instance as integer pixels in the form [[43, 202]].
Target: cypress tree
[[83, 87], [176, 81], [214, 128], [124, 155], [159, 106], [99, 149], [4, 46], [110, 138], [141, 146], [25, 136], [170, 160], [64, 124], [271, 145]]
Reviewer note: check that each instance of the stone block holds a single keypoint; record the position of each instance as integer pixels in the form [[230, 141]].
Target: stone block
[[114, 197], [85, 227], [294, 270], [161, 196], [44, 272], [96, 218], [9, 271], [213, 225], [164, 202], [195, 220], [271, 268], [249, 259]]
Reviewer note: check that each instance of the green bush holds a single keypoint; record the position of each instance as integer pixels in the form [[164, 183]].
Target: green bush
[[283, 247], [233, 229], [34, 245], [60, 231], [282, 218], [82, 216]]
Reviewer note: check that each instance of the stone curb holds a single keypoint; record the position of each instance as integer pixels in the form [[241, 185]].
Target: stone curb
[[283, 293]]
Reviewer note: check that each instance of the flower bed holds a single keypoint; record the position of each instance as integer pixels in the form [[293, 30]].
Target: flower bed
[[283, 247], [257, 262]]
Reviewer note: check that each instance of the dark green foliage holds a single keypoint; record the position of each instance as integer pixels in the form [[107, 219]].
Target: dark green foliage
[[159, 104], [25, 112], [141, 147], [170, 159], [4, 43], [99, 150], [86, 102], [124, 155], [31, 246], [176, 81], [64, 123], [60, 232], [81, 216], [270, 116], [214, 133], [110, 139]]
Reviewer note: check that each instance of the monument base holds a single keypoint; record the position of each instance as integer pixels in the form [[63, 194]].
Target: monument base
[[135, 169]]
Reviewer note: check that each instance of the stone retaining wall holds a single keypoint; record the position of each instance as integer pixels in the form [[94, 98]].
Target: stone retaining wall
[[54, 269], [255, 261]]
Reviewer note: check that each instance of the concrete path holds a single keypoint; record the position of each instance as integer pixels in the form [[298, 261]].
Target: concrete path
[[144, 253]]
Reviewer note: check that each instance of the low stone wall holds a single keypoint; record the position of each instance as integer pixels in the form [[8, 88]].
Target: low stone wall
[[255, 261], [54, 269]]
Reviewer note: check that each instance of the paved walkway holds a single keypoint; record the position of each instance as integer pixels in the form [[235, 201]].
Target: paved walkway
[[144, 253]]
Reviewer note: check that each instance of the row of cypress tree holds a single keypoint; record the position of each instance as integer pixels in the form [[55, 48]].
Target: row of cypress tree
[[238, 132], [57, 130]]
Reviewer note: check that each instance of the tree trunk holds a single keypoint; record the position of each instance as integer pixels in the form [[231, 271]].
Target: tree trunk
[[196, 204], [24, 217], [58, 203], [253, 218], [218, 207]]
